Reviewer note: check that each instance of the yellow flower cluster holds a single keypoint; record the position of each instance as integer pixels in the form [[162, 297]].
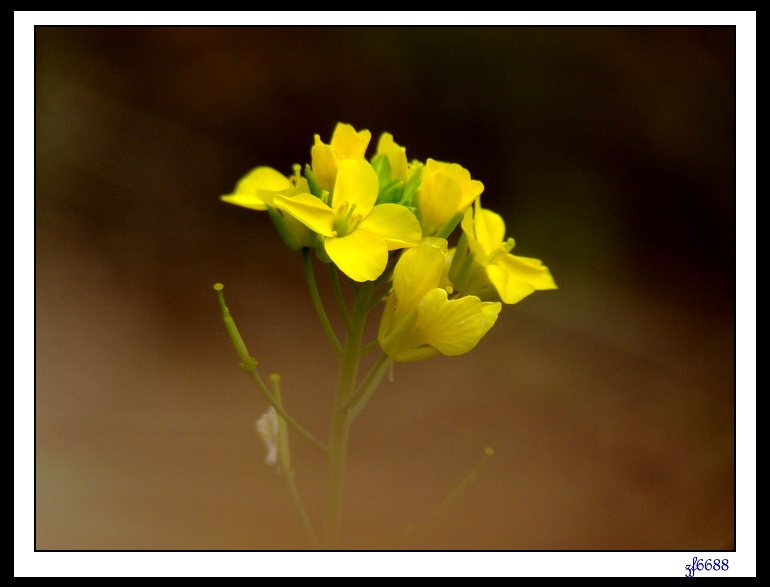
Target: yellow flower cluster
[[356, 211]]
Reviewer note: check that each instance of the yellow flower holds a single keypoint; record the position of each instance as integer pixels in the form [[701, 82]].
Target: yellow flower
[[483, 264], [396, 155], [419, 319], [357, 234], [346, 143], [399, 179], [445, 193], [257, 190]]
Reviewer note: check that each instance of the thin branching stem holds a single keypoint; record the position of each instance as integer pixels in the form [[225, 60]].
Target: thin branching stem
[[249, 364], [368, 386], [288, 471], [307, 263], [337, 287]]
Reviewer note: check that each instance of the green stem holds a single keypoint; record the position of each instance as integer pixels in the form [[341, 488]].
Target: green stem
[[255, 376], [306, 524], [455, 493], [382, 288], [307, 263], [369, 386], [287, 470], [370, 346], [340, 297], [249, 364], [342, 418]]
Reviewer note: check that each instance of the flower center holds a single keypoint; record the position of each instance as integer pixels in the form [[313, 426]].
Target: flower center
[[346, 220]]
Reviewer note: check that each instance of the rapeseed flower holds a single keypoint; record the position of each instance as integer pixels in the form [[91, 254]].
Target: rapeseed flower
[[257, 190], [483, 264], [445, 193], [357, 233], [420, 320], [346, 143]]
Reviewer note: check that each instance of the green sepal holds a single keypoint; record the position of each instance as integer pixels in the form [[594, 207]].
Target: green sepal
[[312, 183], [447, 229], [320, 250], [460, 268], [410, 188], [417, 354], [289, 237], [389, 342], [381, 165], [467, 275], [391, 193]]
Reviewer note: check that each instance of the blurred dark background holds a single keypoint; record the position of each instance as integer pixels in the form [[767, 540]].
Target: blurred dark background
[[610, 152]]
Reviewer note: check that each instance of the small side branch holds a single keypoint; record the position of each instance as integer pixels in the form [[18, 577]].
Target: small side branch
[[307, 263]]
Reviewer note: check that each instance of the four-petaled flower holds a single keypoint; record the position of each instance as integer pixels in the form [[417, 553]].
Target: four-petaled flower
[[355, 212], [420, 320], [257, 190], [483, 264], [346, 143], [396, 155], [445, 193], [357, 233]]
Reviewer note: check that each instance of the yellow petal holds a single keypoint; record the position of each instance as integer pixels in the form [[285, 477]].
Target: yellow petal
[[324, 164], [455, 326], [394, 223], [263, 178], [346, 142], [395, 327], [251, 201], [255, 190], [438, 200], [357, 185], [396, 155], [468, 225], [490, 310], [471, 188], [490, 229], [309, 210], [446, 190], [516, 277], [417, 272], [359, 255]]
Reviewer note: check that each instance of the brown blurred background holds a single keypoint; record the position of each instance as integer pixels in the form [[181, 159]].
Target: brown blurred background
[[610, 403]]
